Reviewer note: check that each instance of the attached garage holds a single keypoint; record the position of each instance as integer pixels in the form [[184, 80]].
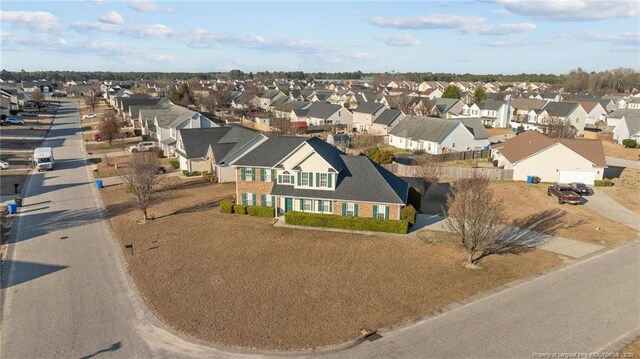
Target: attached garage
[[568, 176]]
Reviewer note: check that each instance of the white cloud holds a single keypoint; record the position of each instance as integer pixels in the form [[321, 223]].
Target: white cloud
[[201, 38], [403, 39], [360, 55], [160, 58], [112, 17], [573, 10], [146, 6], [98, 2], [135, 31], [501, 12], [500, 29], [433, 21], [619, 38], [35, 20], [514, 43]]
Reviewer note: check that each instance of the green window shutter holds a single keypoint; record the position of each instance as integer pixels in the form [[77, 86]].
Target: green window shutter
[[375, 211], [329, 176], [386, 212], [301, 204], [317, 179], [262, 175], [319, 205], [344, 209], [331, 206], [253, 199], [310, 179], [273, 175], [263, 200], [253, 174], [355, 210], [299, 178], [242, 173], [244, 199], [273, 201], [279, 178]]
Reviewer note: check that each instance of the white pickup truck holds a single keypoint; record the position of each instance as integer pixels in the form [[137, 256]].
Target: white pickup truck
[[142, 147]]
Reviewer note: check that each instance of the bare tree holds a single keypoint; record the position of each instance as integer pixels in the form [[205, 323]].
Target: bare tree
[[92, 101], [141, 178], [109, 127], [37, 97], [428, 169], [403, 102], [477, 218], [559, 128]]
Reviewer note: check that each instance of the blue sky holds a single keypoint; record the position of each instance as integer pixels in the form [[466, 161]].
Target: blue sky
[[489, 36]]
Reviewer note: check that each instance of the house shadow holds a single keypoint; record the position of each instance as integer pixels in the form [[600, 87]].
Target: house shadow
[[434, 201], [612, 172], [34, 225], [25, 271]]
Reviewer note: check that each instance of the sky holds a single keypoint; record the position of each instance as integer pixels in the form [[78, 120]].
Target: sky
[[483, 37]]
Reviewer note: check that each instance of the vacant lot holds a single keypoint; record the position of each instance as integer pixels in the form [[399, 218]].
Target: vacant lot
[[529, 206], [626, 190], [238, 281], [619, 151]]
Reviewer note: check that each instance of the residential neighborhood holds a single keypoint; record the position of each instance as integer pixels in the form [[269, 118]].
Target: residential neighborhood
[[402, 182]]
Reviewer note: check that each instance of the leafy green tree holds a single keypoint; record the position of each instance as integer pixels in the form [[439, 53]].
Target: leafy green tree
[[381, 156], [451, 92], [479, 94]]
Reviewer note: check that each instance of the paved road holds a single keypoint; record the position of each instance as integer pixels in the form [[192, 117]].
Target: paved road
[[582, 308], [65, 293]]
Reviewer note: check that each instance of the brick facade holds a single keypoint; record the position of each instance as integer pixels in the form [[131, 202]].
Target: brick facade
[[256, 187], [365, 209]]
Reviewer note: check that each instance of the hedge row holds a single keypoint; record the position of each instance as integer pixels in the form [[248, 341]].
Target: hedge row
[[239, 209], [261, 211], [603, 183], [229, 206], [226, 206], [356, 223]]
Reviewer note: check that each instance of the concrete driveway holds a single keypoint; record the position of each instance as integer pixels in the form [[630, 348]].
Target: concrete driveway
[[619, 162], [613, 210]]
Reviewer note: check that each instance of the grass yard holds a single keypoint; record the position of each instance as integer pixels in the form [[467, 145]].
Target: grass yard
[[103, 146], [106, 165], [626, 190], [499, 131], [236, 280], [613, 150], [9, 177], [530, 207]]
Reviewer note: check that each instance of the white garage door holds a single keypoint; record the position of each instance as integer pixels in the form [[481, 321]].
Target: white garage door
[[568, 176]]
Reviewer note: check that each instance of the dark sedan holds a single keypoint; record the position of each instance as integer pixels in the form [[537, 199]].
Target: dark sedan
[[580, 188]]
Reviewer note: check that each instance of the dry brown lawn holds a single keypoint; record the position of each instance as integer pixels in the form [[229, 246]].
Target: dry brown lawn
[[107, 165], [619, 151], [103, 146], [499, 131], [530, 207], [632, 350], [236, 280], [626, 189]]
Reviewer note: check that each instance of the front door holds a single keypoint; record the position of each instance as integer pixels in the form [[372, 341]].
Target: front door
[[288, 204]]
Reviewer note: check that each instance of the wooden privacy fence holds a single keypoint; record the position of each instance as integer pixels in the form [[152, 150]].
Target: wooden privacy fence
[[493, 174], [461, 156]]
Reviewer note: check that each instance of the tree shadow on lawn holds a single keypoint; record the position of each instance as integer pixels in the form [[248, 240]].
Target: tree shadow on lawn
[[199, 207], [536, 229]]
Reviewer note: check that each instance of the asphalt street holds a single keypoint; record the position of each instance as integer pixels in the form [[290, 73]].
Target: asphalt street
[[66, 293]]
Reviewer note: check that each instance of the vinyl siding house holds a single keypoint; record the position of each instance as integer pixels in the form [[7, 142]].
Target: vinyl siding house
[[628, 128], [553, 160], [567, 111], [437, 135], [310, 175], [365, 114], [321, 113], [387, 120], [211, 149], [493, 113]]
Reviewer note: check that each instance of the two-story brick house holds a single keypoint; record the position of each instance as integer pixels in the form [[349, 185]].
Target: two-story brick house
[[309, 175]]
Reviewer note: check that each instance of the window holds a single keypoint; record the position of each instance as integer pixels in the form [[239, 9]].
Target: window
[[381, 212], [326, 206], [248, 174], [304, 180], [247, 199], [323, 180], [268, 200], [453, 145], [307, 205], [267, 175], [351, 210], [285, 179]]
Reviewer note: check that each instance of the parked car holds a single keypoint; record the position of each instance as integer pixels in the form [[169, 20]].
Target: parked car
[[142, 146], [29, 114], [13, 121], [96, 136], [4, 164], [89, 116], [564, 193], [580, 188]]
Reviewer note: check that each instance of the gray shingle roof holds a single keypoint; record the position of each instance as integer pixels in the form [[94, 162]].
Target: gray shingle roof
[[475, 126], [270, 152], [361, 180], [322, 110], [223, 140], [387, 116], [430, 129], [633, 124], [328, 152], [560, 109], [369, 107], [492, 105]]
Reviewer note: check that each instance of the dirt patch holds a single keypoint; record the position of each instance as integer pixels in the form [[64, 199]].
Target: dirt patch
[[237, 280], [530, 207], [614, 150], [625, 190]]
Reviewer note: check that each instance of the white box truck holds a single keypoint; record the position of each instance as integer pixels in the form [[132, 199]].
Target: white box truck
[[43, 158]]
